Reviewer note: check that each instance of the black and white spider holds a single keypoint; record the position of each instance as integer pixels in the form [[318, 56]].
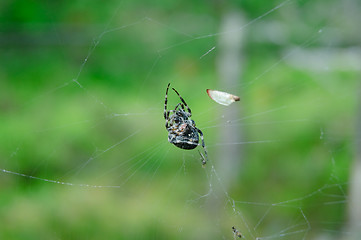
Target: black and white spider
[[182, 131]]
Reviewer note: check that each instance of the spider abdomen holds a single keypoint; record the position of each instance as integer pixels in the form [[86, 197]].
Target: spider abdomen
[[188, 140]]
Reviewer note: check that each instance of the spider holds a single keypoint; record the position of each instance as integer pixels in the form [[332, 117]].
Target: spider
[[182, 131]]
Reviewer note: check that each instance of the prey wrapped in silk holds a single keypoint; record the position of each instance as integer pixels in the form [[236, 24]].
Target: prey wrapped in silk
[[222, 98]]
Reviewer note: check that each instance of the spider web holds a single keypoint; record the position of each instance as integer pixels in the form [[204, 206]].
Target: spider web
[[88, 114]]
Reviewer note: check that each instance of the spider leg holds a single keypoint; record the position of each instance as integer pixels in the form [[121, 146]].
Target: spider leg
[[189, 110], [166, 113], [204, 159], [179, 104]]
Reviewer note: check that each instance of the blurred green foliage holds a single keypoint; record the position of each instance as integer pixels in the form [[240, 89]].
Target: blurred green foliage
[[107, 126]]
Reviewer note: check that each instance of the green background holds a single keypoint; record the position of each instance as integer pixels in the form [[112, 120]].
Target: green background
[[100, 121]]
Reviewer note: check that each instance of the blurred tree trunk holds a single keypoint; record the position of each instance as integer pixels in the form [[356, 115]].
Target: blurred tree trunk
[[228, 157], [229, 68], [354, 207]]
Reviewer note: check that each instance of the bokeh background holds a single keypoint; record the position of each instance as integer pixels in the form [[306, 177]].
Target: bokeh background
[[83, 149]]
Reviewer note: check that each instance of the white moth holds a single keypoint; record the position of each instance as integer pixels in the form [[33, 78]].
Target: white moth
[[222, 97]]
